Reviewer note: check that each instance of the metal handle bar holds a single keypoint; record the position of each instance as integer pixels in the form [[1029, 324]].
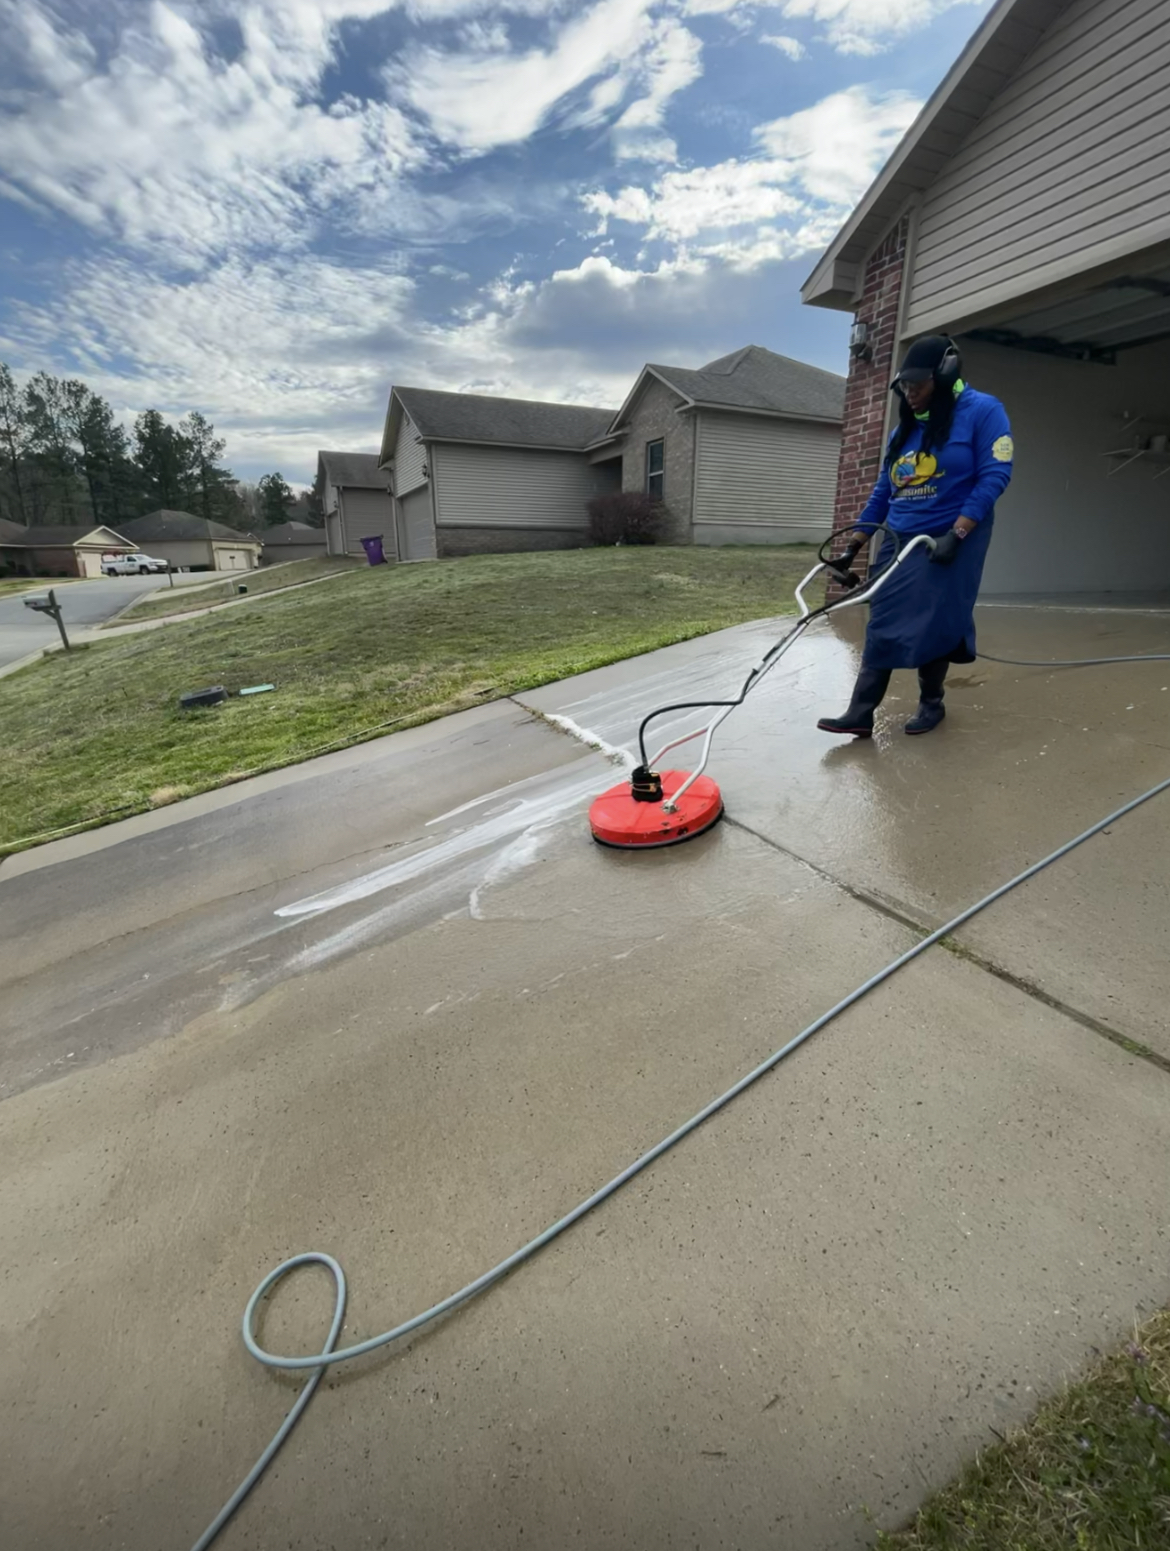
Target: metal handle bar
[[768, 662]]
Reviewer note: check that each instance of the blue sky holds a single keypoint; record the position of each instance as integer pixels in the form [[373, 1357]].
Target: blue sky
[[271, 212]]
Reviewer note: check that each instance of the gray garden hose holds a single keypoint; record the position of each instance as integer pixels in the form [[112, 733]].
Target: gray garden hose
[[1076, 662], [316, 1364]]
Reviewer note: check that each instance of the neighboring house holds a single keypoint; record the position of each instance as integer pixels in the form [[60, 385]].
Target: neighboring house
[[74, 551], [742, 451], [292, 541], [193, 543], [1027, 213], [474, 473], [355, 497]]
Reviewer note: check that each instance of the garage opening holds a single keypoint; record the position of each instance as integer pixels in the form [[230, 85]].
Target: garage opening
[[1086, 381]]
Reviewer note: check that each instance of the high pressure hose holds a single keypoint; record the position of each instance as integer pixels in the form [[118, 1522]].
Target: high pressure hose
[[317, 1364], [848, 579]]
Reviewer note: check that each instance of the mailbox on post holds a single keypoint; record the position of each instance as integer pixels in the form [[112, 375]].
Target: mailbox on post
[[46, 603]]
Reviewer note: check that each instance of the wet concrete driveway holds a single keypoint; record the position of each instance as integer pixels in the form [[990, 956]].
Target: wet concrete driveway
[[396, 1006]]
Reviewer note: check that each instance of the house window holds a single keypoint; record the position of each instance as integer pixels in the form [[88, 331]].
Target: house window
[[655, 477]]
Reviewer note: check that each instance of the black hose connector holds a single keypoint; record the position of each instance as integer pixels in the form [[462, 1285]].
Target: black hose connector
[[646, 785]]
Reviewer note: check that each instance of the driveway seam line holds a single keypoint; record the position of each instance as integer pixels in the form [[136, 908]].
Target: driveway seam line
[[1085, 1020]]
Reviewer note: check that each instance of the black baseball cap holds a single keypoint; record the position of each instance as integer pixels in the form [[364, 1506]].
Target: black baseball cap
[[923, 359]]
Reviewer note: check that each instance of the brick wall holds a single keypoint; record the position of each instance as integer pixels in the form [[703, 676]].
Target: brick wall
[[867, 388], [653, 417]]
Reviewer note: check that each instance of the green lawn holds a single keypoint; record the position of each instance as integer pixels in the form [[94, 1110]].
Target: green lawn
[[14, 584], [1090, 1473], [189, 597], [98, 733]]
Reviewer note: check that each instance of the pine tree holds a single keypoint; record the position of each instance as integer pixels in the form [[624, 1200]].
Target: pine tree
[[15, 438], [165, 461], [275, 499], [56, 495], [104, 451], [216, 496]]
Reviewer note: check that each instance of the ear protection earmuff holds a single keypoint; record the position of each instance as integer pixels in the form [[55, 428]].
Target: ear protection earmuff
[[950, 368]]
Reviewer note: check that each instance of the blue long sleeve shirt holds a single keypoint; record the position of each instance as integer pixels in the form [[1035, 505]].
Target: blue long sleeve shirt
[[929, 492]]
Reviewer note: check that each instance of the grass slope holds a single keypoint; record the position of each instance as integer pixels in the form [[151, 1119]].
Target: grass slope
[[99, 732], [187, 598], [1091, 1472]]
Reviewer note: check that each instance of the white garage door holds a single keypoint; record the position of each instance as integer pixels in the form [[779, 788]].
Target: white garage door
[[416, 526]]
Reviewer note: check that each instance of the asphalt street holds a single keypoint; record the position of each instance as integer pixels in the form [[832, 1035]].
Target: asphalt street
[[83, 604]]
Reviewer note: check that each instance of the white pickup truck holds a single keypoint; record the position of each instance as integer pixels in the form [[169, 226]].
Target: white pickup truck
[[132, 565]]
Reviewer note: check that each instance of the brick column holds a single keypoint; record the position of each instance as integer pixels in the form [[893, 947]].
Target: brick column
[[867, 388]]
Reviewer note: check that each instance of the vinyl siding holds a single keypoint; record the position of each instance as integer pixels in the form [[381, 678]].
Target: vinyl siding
[[417, 528], [773, 479], [410, 458], [512, 487], [366, 514], [1069, 168]]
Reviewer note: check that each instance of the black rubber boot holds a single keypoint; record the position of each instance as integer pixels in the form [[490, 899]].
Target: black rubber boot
[[868, 694], [931, 677]]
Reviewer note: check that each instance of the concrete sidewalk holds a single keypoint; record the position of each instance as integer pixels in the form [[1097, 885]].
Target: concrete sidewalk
[[315, 1019]]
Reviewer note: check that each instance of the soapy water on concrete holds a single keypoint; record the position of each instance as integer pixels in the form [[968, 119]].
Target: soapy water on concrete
[[512, 824], [522, 813]]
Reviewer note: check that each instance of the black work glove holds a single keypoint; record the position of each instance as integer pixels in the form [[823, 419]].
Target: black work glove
[[848, 555], [945, 549]]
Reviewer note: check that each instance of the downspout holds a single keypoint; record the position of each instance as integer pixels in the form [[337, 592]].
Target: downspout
[[429, 450], [695, 472]]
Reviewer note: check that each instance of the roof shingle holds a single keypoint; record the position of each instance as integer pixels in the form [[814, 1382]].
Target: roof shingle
[[759, 379], [293, 533], [158, 527], [51, 537], [357, 470], [476, 417]]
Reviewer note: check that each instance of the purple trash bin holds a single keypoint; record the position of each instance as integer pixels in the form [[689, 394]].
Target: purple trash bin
[[373, 549]]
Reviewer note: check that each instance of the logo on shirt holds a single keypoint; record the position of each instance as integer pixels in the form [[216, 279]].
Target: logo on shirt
[[1003, 450], [913, 469]]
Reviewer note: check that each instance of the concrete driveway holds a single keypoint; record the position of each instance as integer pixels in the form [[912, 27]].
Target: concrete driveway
[[396, 1005], [83, 603]]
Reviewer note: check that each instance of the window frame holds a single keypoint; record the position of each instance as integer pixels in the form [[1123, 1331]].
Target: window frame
[[659, 473]]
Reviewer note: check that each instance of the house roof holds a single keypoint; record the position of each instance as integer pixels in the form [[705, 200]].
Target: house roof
[[1000, 44], [60, 536], [293, 533], [161, 526], [356, 469], [477, 417], [752, 379]]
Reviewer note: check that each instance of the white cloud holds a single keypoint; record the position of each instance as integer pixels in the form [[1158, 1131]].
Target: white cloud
[[672, 62], [836, 148], [776, 206], [870, 26], [793, 47], [167, 146], [681, 205], [269, 350], [486, 94], [230, 209], [849, 26]]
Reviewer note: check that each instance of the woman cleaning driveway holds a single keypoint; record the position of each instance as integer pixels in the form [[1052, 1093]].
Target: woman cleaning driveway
[[948, 461]]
